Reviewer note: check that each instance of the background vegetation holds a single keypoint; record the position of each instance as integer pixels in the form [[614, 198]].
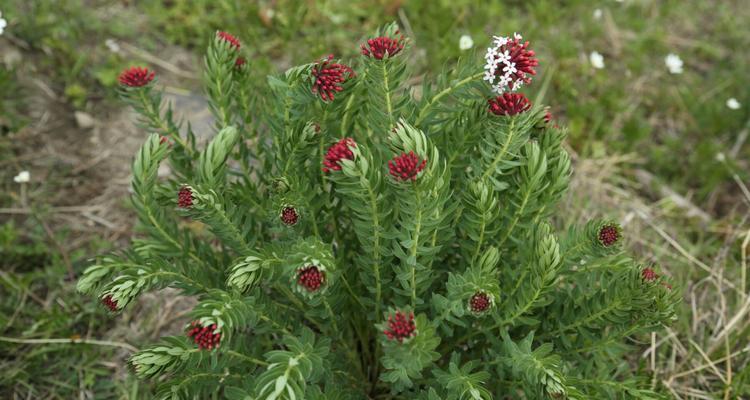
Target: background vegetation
[[661, 152]]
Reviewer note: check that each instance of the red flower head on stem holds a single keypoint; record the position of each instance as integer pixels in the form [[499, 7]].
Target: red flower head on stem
[[480, 302], [233, 41], [401, 326], [406, 166], [110, 303], [289, 215], [380, 47], [136, 77], [185, 197], [328, 77], [206, 337], [609, 234], [240, 62], [509, 63], [339, 151], [509, 104], [649, 275], [311, 278]]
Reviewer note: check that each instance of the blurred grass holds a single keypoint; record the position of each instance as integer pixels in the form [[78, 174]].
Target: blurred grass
[[672, 126]]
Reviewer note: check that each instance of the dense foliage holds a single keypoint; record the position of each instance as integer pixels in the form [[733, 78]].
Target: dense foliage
[[350, 236]]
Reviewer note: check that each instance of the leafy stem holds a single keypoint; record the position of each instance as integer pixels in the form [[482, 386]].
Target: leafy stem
[[435, 99], [503, 150]]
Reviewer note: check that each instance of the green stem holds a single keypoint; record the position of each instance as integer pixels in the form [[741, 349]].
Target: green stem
[[443, 93], [598, 382], [478, 247], [235, 233], [415, 246], [375, 248], [516, 218], [247, 358], [351, 292], [223, 112], [167, 237], [153, 113], [181, 277], [69, 341], [345, 118], [610, 338], [519, 281], [387, 93], [274, 323], [522, 310], [339, 335], [503, 151], [583, 321]]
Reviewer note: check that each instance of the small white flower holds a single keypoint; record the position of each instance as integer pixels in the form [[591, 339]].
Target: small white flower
[[112, 45], [504, 81], [22, 177], [500, 41], [720, 157], [503, 57], [489, 76], [491, 53], [465, 42], [596, 59], [3, 23], [733, 104], [517, 36], [510, 68], [598, 13], [674, 63]]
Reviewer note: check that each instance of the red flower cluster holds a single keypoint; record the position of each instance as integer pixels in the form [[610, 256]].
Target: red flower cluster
[[329, 76], [379, 47], [205, 337], [520, 59], [479, 302], [311, 278], [136, 77], [649, 275], [509, 104], [233, 41], [110, 303], [185, 197], [401, 326], [240, 62], [339, 151], [289, 216], [609, 235], [406, 166]]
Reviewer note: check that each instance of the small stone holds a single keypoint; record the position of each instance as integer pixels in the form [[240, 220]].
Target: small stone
[[84, 120]]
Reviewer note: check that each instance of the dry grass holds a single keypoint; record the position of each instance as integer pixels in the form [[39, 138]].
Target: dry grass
[[701, 356]]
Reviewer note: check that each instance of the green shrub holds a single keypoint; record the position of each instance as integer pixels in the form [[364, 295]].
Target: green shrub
[[352, 236]]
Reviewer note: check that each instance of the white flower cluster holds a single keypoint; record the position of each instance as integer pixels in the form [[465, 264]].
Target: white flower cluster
[[498, 57]]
